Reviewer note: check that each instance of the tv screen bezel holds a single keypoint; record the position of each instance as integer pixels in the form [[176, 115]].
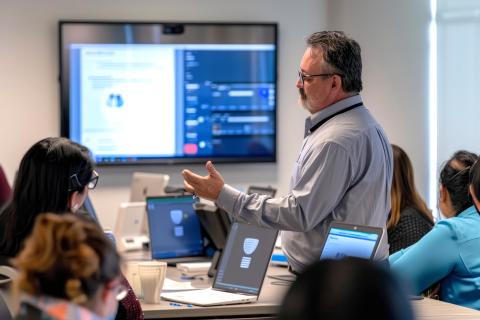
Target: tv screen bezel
[[65, 107]]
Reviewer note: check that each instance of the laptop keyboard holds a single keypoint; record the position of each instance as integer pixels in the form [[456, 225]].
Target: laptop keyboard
[[207, 296]]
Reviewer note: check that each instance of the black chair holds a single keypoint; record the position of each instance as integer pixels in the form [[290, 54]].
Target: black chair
[[4, 311], [6, 275], [5, 190]]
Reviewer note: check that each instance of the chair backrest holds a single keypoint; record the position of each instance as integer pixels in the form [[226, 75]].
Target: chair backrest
[[5, 190], [8, 303], [4, 311]]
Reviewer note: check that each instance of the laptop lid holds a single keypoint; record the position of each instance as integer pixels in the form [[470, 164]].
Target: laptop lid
[[174, 227], [245, 259], [146, 184], [347, 240], [131, 219]]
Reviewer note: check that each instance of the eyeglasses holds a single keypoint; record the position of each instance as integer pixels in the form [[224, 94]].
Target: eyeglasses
[[76, 185], [92, 183], [302, 75], [120, 291]]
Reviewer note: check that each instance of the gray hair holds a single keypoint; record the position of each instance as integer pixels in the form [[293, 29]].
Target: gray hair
[[343, 54]]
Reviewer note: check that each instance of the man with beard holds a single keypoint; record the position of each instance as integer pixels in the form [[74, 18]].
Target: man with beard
[[344, 170]]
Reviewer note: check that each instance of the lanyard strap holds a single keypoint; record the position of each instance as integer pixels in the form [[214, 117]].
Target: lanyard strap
[[318, 125]]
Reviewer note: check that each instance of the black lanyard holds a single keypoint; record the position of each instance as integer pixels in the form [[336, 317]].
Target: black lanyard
[[318, 125]]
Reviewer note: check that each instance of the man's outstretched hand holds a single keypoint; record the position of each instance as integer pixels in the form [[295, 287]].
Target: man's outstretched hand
[[207, 187]]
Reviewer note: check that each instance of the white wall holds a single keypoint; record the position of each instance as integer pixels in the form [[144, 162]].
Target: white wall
[[29, 97], [392, 33], [394, 39]]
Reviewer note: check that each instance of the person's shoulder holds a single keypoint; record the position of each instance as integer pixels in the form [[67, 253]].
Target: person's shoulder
[[458, 228], [466, 225], [411, 213]]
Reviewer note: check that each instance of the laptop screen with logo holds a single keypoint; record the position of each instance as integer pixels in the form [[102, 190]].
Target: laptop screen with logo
[[174, 227], [245, 259], [351, 241]]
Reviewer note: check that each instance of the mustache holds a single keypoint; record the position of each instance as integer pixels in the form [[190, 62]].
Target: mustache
[[303, 96], [302, 93]]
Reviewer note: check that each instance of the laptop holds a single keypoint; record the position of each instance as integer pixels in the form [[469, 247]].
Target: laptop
[[348, 240], [174, 229], [146, 184], [241, 271], [131, 231]]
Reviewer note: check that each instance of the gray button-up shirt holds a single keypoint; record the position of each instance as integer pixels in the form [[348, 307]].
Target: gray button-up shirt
[[343, 173]]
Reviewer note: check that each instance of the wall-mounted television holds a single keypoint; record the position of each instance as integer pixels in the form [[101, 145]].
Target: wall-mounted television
[[169, 92]]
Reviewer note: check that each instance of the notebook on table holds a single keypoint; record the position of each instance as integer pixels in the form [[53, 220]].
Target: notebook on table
[[348, 240], [174, 229], [241, 271]]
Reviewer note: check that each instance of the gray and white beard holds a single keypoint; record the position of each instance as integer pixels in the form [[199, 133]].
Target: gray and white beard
[[303, 99]]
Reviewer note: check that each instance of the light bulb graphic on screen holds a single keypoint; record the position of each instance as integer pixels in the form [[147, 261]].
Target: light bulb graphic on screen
[[176, 217], [249, 247]]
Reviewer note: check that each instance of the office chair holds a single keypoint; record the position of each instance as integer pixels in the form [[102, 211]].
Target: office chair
[[4, 311], [5, 190], [6, 276]]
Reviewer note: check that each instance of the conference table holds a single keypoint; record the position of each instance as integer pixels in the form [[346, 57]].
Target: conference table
[[270, 299]]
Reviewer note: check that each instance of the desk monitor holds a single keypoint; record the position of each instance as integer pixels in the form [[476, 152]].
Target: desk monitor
[[347, 240], [174, 227], [147, 185]]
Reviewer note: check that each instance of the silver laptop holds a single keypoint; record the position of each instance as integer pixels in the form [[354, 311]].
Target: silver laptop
[[146, 184], [241, 272], [348, 240], [131, 229]]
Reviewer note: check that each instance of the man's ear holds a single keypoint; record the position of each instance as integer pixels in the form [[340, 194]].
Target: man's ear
[[337, 82]]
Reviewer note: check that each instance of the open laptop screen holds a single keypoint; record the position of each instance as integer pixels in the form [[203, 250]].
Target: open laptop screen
[[245, 259], [174, 227], [351, 241]]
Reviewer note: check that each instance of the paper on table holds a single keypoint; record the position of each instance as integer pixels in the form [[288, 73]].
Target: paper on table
[[172, 285]]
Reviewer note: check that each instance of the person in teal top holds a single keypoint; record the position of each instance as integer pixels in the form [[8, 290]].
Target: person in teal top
[[450, 253]]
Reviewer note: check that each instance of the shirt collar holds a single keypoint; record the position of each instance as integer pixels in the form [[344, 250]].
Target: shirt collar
[[331, 109], [470, 211]]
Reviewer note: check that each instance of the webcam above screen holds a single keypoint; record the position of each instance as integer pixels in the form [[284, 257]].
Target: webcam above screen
[[148, 92]]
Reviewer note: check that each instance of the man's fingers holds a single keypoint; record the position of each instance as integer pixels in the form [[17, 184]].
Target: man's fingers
[[191, 177], [188, 187], [211, 169]]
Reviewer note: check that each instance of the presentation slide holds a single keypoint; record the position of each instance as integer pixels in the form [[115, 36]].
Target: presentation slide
[[127, 99]]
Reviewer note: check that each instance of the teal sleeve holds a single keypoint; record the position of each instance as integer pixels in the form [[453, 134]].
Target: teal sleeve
[[428, 260]]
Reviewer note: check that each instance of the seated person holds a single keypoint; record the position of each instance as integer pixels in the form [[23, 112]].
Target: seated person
[[409, 219], [68, 269], [54, 176], [449, 253], [346, 289]]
